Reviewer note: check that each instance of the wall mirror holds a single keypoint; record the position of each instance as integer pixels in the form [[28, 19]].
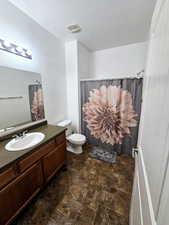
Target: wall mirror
[[21, 98]]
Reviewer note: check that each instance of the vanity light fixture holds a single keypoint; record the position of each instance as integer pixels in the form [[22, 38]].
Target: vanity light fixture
[[12, 48]]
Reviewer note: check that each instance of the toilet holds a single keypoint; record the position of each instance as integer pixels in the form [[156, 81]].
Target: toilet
[[74, 141]]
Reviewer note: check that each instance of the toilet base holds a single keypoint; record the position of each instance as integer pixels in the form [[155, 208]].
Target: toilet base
[[76, 150]]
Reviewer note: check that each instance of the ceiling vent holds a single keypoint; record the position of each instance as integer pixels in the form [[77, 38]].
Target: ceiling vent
[[74, 28]]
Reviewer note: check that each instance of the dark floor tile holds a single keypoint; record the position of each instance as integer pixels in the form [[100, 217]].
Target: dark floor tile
[[86, 217], [68, 206], [90, 192], [107, 216], [78, 192], [115, 219], [92, 198], [118, 202], [101, 218]]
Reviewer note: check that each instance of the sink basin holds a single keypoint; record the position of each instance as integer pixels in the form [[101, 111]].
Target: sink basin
[[29, 140]]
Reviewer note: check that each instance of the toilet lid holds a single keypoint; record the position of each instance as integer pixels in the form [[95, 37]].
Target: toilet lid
[[77, 137]]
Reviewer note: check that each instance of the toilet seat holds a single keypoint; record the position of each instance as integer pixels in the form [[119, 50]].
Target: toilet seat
[[77, 139]]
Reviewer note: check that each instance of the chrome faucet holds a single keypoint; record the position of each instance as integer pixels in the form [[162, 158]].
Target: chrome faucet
[[21, 135], [16, 136]]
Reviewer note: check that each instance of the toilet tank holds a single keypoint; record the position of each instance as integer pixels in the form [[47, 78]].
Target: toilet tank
[[66, 124]]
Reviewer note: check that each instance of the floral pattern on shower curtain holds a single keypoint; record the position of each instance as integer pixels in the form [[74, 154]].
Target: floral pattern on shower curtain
[[111, 112], [36, 102]]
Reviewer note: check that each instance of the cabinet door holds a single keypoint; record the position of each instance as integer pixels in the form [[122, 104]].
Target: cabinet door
[[54, 160], [8, 175], [19, 192]]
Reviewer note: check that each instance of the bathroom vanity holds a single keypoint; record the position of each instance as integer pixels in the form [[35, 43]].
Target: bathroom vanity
[[24, 173]]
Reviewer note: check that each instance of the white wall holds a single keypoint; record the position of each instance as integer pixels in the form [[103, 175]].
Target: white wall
[[48, 57], [72, 79], [77, 67], [119, 61], [84, 57]]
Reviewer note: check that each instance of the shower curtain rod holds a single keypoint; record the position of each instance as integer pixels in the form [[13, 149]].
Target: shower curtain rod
[[138, 75]]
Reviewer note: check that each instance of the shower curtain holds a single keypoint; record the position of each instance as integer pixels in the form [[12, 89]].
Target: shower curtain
[[110, 113], [36, 102]]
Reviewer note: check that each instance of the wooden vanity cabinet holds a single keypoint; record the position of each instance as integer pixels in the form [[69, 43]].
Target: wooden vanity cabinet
[[19, 192], [23, 180]]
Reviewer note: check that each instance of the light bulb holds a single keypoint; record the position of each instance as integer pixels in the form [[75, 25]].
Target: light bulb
[[7, 44], [19, 49], [28, 52], [13, 50]]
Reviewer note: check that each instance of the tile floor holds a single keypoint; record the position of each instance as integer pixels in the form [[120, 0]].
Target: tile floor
[[90, 192]]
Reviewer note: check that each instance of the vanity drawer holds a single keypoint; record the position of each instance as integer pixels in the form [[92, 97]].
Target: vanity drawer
[[60, 139], [8, 175], [37, 155]]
